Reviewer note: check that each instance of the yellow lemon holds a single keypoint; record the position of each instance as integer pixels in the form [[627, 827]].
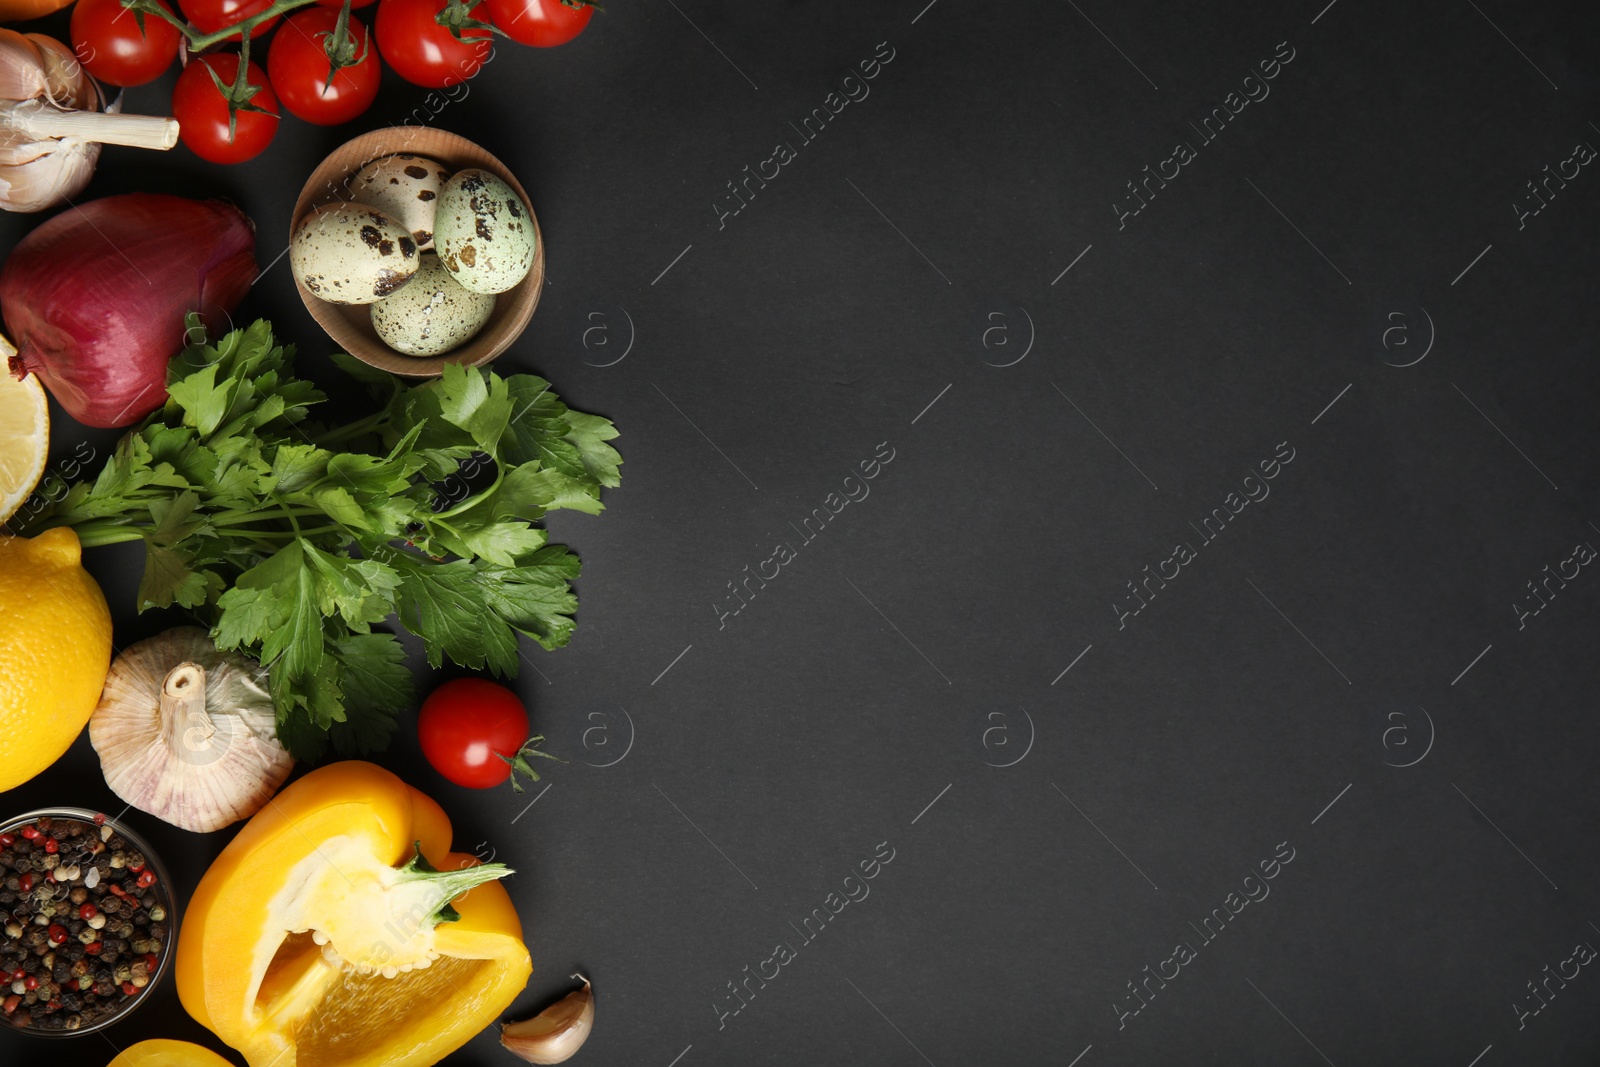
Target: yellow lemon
[[24, 437], [159, 1052], [55, 649]]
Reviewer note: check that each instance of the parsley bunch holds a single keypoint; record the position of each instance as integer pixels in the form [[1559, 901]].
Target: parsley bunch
[[292, 539]]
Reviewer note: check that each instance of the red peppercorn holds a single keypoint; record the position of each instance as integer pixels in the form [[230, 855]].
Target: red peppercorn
[[146, 879], [52, 846], [7, 840], [31, 983], [117, 890], [129, 988], [99, 818], [17, 975], [31, 833], [87, 911], [26, 882], [11, 1003], [93, 948], [58, 934], [54, 1005]]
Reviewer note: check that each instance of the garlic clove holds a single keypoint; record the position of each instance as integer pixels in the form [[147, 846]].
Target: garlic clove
[[188, 733], [21, 68], [555, 1034], [66, 83], [37, 174]]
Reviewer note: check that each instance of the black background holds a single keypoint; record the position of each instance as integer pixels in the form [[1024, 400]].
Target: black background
[[1218, 323]]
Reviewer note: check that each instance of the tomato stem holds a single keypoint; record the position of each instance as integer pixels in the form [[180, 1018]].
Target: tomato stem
[[199, 42], [340, 49], [520, 765], [456, 15]]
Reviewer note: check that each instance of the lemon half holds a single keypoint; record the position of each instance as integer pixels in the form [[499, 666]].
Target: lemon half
[[24, 437]]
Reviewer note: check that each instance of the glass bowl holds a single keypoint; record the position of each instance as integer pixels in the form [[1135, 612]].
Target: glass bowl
[[20, 1020]]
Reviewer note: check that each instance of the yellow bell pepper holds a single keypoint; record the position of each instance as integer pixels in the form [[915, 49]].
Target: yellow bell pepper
[[322, 936], [164, 1053]]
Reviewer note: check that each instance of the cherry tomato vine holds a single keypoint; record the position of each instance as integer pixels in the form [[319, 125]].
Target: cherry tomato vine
[[345, 48]]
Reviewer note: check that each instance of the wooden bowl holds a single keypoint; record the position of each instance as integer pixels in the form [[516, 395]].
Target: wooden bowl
[[351, 324]]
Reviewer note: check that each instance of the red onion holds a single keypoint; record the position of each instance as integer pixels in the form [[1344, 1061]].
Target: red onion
[[95, 298]]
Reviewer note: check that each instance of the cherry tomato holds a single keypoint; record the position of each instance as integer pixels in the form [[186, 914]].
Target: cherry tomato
[[202, 113], [542, 23], [209, 16], [467, 725], [107, 40], [298, 67], [423, 52]]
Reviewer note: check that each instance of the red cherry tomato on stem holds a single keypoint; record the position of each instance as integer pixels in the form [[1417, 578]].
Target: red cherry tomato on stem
[[209, 16], [541, 23], [423, 52], [109, 44], [298, 66], [202, 112], [474, 731]]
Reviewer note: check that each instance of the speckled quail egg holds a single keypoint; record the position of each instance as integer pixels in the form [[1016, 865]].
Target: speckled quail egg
[[406, 188], [352, 254], [432, 314], [483, 232]]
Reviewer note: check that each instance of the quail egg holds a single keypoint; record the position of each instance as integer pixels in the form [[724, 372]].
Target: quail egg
[[483, 232], [406, 188], [352, 254], [432, 314]]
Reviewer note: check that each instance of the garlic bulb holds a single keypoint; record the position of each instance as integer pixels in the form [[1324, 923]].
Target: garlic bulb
[[52, 123], [188, 733], [555, 1034]]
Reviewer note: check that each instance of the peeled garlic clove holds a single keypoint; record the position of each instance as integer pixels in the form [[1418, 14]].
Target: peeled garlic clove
[[556, 1033], [188, 733]]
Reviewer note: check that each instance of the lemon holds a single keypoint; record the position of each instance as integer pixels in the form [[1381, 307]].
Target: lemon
[[24, 438], [55, 649], [160, 1052]]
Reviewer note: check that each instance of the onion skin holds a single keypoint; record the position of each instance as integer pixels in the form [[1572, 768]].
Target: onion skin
[[95, 298]]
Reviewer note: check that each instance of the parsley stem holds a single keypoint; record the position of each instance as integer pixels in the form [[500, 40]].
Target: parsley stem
[[288, 513], [499, 476], [237, 532], [242, 516], [99, 534], [355, 429]]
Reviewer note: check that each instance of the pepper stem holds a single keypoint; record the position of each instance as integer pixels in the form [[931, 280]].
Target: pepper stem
[[185, 726], [447, 885]]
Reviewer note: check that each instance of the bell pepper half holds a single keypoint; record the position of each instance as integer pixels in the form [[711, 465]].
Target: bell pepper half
[[323, 935]]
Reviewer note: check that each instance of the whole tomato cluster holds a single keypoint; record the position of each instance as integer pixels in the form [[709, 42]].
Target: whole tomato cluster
[[322, 63]]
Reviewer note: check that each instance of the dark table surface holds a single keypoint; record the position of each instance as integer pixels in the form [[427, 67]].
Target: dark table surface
[[1071, 657]]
